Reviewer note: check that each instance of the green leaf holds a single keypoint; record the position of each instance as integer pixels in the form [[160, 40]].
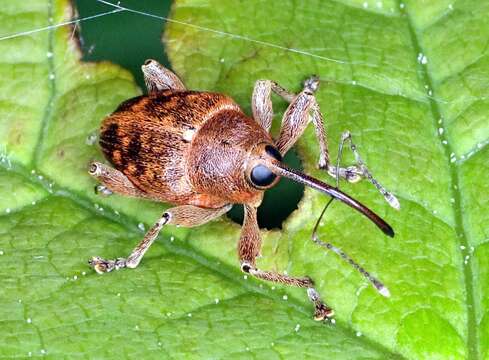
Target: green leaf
[[408, 113]]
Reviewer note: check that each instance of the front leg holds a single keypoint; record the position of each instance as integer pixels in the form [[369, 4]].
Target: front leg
[[357, 172], [249, 248], [261, 101], [295, 120], [185, 215], [301, 110]]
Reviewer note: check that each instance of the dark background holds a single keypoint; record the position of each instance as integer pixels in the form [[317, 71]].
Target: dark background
[[129, 39]]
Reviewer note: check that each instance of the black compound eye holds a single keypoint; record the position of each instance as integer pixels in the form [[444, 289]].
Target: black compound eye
[[262, 176]]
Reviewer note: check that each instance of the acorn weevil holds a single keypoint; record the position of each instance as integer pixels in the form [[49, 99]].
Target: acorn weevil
[[201, 153]]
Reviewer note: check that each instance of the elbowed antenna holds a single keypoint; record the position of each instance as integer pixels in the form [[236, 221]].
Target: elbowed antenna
[[282, 170], [377, 284]]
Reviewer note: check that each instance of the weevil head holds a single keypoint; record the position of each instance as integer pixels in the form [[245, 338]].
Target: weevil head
[[266, 166], [226, 159], [232, 159]]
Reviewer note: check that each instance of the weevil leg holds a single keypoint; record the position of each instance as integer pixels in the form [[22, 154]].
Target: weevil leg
[[357, 172], [249, 248], [301, 110], [261, 101], [305, 107], [159, 78], [186, 215], [113, 181]]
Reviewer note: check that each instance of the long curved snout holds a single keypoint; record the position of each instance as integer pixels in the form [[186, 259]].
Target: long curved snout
[[280, 169]]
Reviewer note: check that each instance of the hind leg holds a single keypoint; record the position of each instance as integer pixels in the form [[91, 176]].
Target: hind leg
[[185, 215], [159, 78], [113, 181]]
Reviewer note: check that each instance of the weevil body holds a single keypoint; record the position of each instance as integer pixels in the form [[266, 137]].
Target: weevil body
[[161, 142], [200, 152]]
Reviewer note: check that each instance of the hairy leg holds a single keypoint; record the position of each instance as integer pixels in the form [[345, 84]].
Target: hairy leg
[[302, 109], [112, 181], [249, 248], [261, 101], [357, 172], [158, 78], [186, 215], [300, 112]]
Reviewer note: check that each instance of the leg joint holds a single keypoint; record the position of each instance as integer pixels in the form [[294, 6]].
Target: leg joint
[[246, 267], [311, 84], [102, 190], [165, 218], [346, 135], [95, 169]]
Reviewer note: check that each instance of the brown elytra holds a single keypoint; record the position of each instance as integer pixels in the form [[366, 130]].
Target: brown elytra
[[200, 152]]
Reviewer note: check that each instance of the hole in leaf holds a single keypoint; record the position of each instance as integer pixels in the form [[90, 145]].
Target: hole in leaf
[[279, 202], [109, 38]]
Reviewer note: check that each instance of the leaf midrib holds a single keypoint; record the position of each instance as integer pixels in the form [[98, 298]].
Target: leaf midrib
[[49, 108], [472, 343]]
